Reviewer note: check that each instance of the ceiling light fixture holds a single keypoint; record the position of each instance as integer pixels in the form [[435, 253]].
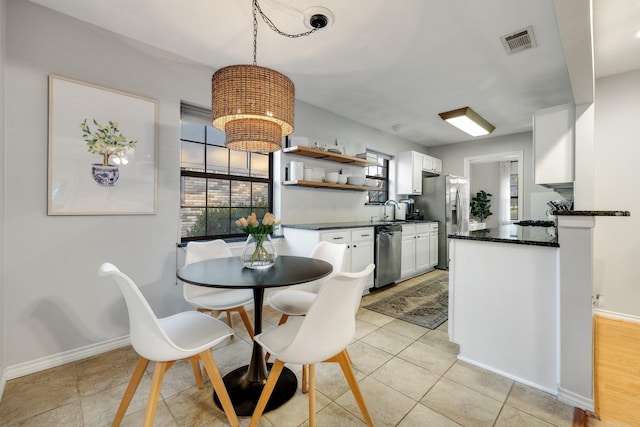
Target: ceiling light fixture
[[468, 121], [254, 105]]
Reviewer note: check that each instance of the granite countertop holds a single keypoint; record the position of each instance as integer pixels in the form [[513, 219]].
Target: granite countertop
[[592, 213], [350, 224], [534, 236]]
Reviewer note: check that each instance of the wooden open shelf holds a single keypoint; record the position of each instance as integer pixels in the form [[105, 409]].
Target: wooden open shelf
[[300, 150], [321, 184]]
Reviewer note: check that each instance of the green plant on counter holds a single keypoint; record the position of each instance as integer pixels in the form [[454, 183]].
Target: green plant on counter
[[480, 204]]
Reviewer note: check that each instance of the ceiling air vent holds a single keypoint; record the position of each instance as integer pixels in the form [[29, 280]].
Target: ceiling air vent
[[519, 41]]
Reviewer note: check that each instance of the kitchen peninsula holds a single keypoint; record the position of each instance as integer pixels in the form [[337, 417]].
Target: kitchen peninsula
[[520, 303], [503, 302]]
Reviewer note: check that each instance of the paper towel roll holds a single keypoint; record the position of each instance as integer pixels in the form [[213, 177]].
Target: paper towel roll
[[297, 171]]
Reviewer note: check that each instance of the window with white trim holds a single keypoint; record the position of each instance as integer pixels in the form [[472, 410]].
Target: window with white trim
[[380, 173]]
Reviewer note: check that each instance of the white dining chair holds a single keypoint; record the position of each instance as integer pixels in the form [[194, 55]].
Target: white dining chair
[[321, 336], [216, 300], [187, 335], [296, 300]]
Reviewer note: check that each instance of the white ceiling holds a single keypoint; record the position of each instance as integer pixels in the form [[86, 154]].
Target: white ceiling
[[391, 65]]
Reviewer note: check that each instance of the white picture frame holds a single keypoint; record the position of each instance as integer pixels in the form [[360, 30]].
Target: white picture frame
[[72, 189]]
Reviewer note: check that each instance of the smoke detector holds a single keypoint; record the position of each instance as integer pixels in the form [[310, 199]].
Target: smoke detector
[[519, 40], [318, 17]]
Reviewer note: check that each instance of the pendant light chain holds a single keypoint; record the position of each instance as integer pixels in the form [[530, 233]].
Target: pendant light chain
[[265, 18], [255, 31], [252, 105]]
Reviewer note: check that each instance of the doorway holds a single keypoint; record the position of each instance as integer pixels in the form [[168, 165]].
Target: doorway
[[500, 174]]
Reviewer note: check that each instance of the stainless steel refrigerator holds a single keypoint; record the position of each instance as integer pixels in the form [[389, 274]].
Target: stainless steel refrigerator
[[445, 198]]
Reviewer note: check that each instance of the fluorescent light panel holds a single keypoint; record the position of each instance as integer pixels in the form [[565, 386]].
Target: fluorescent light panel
[[468, 121]]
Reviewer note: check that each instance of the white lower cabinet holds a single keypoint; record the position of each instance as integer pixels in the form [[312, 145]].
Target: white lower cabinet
[[359, 243], [361, 251], [422, 247], [408, 258], [419, 249], [433, 244]]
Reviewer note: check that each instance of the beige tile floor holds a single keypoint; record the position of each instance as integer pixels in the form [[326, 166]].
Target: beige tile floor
[[409, 376]]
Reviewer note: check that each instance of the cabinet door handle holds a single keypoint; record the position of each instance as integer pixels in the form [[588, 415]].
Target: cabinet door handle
[[365, 235], [338, 238], [354, 246]]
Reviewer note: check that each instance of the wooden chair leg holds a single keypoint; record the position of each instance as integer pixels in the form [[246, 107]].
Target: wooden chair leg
[[141, 366], [305, 372], [219, 387], [212, 313], [154, 394], [229, 319], [276, 370], [197, 372], [343, 359], [312, 395], [245, 320]]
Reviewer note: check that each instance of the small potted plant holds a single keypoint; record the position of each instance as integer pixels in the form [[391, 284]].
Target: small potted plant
[[480, 204], [106, 141]]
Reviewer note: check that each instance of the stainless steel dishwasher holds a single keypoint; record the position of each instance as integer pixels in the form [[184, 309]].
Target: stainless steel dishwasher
[[388, 250]]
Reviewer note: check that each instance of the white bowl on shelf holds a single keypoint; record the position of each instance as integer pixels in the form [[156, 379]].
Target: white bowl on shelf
[[331, 177], [371, 182], [356, 180], [313, 174]]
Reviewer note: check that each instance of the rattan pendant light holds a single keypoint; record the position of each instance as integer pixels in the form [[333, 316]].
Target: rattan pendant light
[[253, 105]]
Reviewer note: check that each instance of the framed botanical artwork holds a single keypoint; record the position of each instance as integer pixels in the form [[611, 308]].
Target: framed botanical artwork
[[102, 150]]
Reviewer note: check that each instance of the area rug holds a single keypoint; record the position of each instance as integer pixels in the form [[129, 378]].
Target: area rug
[[425, 304]]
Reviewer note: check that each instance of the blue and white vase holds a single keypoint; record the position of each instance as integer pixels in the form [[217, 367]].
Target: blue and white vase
[[105, 176]]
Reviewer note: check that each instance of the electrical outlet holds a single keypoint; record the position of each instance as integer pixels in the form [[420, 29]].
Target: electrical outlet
[[598, 301]]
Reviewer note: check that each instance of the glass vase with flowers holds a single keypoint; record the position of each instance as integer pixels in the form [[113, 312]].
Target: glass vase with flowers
[[259, 251]]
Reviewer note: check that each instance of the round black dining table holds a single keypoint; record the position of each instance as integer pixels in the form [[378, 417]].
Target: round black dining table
[[245, 383]]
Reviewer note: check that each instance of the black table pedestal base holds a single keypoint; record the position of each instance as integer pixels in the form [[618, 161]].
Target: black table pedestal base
[[244, 394]]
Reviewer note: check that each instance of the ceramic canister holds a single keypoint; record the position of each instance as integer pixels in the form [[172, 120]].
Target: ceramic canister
[[296, 171]]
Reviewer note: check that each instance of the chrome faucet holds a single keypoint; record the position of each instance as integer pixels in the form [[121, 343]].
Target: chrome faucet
[[387, 203]]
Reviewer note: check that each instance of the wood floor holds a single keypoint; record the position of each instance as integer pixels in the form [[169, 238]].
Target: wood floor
[[617, 370]]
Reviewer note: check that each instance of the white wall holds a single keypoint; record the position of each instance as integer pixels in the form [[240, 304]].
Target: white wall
[[3, 179], [534, 196], [306, 205], [53, 300], [617, 183]]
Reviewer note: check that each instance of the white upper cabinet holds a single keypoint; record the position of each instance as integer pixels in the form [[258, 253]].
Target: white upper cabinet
[[553, 145], [437, 166], [411, 167], [427, 163]]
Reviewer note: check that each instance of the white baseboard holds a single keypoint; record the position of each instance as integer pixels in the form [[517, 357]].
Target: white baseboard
[[553, 392], [616, 316], [573, 399], [47, 362]]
